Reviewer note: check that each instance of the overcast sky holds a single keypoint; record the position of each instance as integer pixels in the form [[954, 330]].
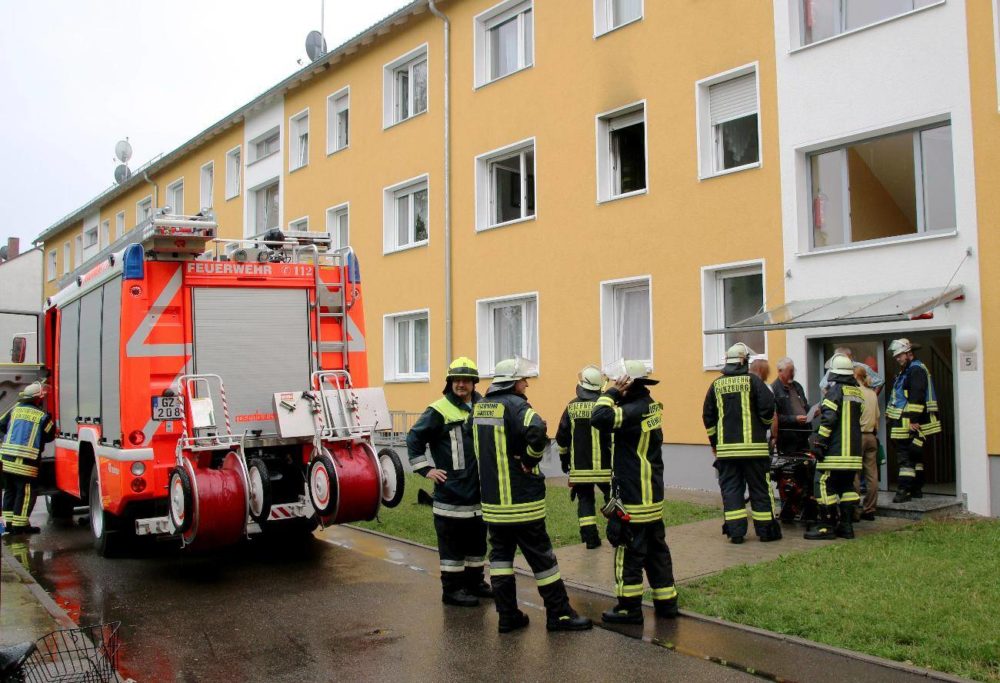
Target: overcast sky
[[78, 75]]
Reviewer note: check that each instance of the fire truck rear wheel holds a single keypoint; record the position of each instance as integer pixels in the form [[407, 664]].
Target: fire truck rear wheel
[[61, 505], [260, 490], [392, 477], [109, 541]]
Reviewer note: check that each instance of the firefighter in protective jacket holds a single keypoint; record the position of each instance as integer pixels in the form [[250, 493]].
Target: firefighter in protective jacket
[[446, 429], [510, 441], [25, 429], [585, 454], [627, 411], [837, 446], [912, 413], [739, 409]]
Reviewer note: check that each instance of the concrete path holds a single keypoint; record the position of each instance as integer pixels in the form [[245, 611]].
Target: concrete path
[[698, 549], [27, 612]]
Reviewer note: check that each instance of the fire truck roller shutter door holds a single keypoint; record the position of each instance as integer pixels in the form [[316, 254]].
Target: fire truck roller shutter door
[[69, 331], [90, 356], [111, 428], [255, 366]]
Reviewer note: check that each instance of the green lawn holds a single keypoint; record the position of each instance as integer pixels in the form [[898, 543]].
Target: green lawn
[[414, 522], [927, 594]]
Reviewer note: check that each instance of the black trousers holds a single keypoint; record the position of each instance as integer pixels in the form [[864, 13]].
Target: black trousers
[[586, 502], [462, 549], [647, 550], [736, 475], [533, 540], [18, 499], [910, 454]]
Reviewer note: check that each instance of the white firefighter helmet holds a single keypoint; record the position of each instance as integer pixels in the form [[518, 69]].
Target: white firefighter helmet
[[738, 352], [634, 369], [899, 346], [841, 365], [32, 391], [591, 378], [513, 369]]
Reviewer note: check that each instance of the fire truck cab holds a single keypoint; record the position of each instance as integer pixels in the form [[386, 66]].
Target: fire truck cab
[[210, 390]]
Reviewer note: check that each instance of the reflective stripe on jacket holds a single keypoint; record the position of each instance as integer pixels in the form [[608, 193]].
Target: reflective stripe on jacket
[[446, 431], [636, 421], [838, 437], [738, 410], [913, 401], [509, 439], [582, 448]]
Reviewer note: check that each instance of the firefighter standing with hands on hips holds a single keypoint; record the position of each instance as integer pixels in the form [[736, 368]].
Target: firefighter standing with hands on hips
[[458, 519], [738, 410], [627, 411], [912, 413], [837, 446], [25, 429], [585, 453], [510, 441]]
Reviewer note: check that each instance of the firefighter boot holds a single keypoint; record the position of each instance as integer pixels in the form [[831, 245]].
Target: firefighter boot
[[666, 609], [845, 526], [571, 621], [917, 491], [589, 535], [823, 528], [771, 531], [512, 621], [625, 612], [475, 585], [453, 591]]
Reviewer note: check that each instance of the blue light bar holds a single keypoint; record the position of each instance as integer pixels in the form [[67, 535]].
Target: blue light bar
[[132, 263]]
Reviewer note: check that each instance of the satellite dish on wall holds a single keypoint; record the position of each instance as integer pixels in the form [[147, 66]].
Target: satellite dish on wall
[[122, 173], [3, 253], [315, 45], [123, 151]]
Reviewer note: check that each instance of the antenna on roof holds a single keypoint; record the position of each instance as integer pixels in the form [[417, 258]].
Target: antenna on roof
[[123, 152]]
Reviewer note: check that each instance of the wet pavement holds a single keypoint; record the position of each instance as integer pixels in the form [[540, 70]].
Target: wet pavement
[[351, 605], [318, 612]]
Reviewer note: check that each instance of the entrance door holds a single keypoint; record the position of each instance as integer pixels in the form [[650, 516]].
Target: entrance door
[[934, 350]]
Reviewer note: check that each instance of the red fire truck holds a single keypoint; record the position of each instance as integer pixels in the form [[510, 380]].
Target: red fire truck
[[210, 389]]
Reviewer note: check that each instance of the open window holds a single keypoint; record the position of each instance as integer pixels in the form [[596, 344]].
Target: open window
[[505, 185], [621, 145], [298, 150]]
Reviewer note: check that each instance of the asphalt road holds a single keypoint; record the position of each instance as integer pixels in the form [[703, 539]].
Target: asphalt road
[[320, 612]]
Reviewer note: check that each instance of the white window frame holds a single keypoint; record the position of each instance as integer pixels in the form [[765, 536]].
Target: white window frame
[[299, 224], [252, 206], [610, 343], [172, 190], [333, 121], [605, 170], [78, 251], [298, 146], [798, 19], [263, 137], [389, 196], [389, 70], [119, 224], [333, 214], [234, 172], [484, 22], [144, 204], [485, 353], [996, 47], [53, 265], [841, 145], [206, 193], [67, 258], [485, 185], [713, 311], [390, 368], [709, 162], [603, 20], [104, 238]]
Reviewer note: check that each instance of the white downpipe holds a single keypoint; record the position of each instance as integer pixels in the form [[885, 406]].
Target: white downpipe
[[447, 180]]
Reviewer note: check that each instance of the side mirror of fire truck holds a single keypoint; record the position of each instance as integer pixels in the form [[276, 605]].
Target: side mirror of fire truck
[[19, 349]]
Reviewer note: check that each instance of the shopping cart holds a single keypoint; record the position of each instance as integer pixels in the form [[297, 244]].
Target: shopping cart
[[88, 654]]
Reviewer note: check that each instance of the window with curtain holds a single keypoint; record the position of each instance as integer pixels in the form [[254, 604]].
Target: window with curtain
[[233, 172], [409, 346], [338, 225], [626, 329], [300, 137], [624, 11], [822, 19], [206, 186], [504, 40], [411, 215], [508, 328], [119, 224], [411, 88], [175, 197], [265, 208], [733, 118]]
